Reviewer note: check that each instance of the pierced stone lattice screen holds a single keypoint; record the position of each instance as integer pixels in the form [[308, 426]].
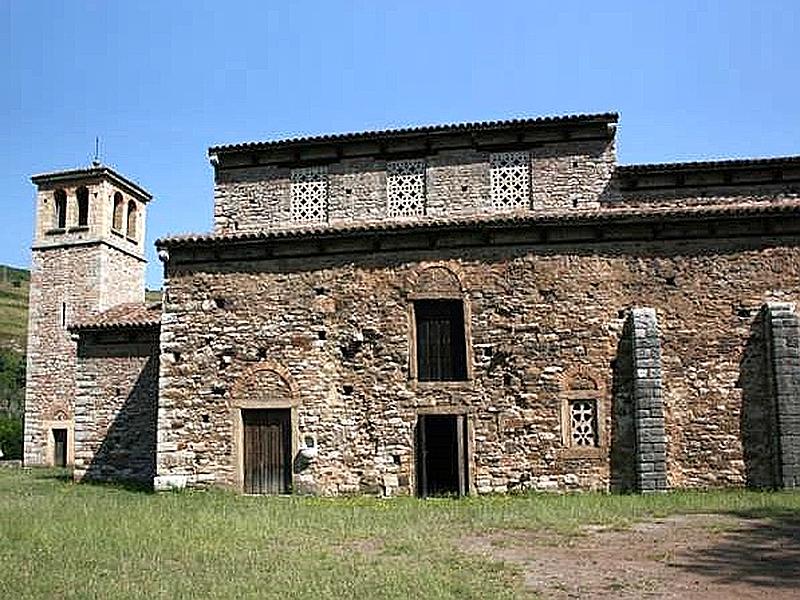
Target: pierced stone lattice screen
[[310, 194], [511, 185], [583, 422], [405, 188]]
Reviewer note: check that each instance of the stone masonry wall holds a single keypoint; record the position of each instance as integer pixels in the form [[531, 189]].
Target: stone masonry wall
[[116, 406], [101, 210], [564, 175], [80, 281], [50, 385], [538, 318]]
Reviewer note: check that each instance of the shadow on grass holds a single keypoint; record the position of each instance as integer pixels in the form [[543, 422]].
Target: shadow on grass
[[65, 476], [50, 473], [763, 551], [138, 487]]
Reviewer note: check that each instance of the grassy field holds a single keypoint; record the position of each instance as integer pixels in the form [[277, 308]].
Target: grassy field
[[59, 539]]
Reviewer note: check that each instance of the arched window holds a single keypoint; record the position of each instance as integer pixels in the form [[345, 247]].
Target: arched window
[[131, 219], [440, 332], [119, 206], [60, 209], [83, 206]]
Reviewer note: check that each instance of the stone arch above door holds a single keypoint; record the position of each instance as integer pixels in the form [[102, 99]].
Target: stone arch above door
[[436, 280], [265, 386]]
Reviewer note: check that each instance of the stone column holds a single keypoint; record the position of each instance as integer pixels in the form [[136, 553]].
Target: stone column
[[783, 352], [651, 439]]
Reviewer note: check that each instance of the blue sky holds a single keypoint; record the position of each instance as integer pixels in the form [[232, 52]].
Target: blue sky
[[159, 82]]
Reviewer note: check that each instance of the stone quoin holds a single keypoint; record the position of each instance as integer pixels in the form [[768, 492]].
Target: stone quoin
[[459, 309]]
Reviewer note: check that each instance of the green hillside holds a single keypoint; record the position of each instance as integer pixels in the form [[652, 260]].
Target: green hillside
[[13, 307]]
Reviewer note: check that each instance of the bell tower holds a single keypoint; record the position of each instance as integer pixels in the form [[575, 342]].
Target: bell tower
[[87, 256]]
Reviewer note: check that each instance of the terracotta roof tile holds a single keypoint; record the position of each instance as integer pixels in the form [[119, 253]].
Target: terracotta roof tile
[[93, 171], [135, 314], [601, 215], [778, 161], [607, 117]]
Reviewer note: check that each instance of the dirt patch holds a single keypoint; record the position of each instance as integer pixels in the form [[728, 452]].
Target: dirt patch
[[688, 556], [365, 546]]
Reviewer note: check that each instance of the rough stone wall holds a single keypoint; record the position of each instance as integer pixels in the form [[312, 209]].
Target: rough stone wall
[[75, 273], [693, 196], [564, 175], [116, 406], [121, 278], [81, 281], [784, 363], [50, 385], [340, 327]]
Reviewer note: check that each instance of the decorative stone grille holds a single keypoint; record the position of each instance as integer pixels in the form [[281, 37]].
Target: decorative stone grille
[[310, 194], [510, 179], [405, 188], [583, 422]]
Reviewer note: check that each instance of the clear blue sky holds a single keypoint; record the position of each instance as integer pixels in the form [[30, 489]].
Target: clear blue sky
[[161, 81]]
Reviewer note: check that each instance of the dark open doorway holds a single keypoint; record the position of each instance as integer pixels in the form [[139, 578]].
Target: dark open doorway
[[267, 451], [60, 447], [441, 455]]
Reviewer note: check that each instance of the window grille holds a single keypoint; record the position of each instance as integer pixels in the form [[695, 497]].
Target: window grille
[[583, 422], [510, 180], [310, 194], [405, 188]]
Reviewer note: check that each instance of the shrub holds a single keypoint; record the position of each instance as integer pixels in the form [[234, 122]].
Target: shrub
[[11, 437]]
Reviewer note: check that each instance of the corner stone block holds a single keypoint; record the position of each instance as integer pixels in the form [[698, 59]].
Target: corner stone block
[[783, 351], [651, 435]]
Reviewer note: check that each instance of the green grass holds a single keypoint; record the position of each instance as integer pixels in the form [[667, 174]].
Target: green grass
[[59, 539]]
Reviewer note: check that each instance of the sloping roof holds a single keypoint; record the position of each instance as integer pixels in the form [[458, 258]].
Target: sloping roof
[[129, 315], [93, 171], [708, 165], [383, 134], [601, 215]]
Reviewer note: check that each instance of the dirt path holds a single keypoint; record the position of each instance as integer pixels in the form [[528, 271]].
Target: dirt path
[[689, 556]]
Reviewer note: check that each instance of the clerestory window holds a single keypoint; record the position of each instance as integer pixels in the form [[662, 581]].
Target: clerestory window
[[510, 180], [405, 188], [309, 194]]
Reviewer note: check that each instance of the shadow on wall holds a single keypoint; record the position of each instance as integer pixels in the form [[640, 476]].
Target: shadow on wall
[[623, 435], [763, 551], [127, 453], [757, 420]]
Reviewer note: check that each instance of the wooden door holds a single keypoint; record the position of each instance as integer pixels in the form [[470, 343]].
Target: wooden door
[[267, 451], [60, 447]]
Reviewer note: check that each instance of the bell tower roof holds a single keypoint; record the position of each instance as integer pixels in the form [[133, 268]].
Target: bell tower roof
[[96, 171]]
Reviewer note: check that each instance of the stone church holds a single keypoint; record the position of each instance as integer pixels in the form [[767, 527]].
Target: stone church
[[445, 310]]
